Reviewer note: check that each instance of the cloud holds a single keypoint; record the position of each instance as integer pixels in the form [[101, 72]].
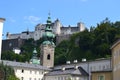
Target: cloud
[[32, 19], [12, 20]]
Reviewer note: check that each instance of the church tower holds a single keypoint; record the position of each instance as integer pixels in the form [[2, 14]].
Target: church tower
[[48, 46]]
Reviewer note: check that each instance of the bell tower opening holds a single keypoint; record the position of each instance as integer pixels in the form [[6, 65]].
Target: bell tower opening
[[48, 57]]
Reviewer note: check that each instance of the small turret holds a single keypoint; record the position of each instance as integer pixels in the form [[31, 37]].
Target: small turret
[[81, 26], [34, 59], [57, 27]]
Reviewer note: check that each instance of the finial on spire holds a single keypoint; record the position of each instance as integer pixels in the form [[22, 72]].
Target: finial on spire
[[27, 28], [49, 13]]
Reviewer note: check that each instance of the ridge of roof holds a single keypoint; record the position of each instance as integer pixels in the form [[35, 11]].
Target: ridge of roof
[[72, 71], [115, 43], [24, 65]]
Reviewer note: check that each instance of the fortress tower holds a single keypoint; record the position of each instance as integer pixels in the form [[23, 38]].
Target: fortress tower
[[47, 47], [81, 26], [57, 27]]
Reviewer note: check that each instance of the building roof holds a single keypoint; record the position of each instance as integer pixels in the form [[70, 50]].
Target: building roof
[[105, 70], [72, 71], [24, 65], [2, 19], [78, 63], [69, 27], [115, 44], [17, 34]]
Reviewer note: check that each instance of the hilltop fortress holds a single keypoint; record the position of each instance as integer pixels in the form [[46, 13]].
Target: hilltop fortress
[[61, 32]]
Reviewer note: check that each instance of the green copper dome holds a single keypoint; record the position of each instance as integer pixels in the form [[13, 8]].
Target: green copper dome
[[48, 36], [34, 59], [49, 20], [34, 51], [48, 42]]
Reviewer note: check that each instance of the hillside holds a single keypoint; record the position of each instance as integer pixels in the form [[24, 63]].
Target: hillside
[[89, 44]]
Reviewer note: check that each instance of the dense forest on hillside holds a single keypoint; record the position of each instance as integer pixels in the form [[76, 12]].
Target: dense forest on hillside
[[91, 44]]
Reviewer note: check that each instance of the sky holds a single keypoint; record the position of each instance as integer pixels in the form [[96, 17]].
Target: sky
[[21, 15]]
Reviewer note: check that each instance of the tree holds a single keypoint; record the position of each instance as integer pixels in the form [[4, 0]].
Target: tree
[[8, 72], [10, 55]]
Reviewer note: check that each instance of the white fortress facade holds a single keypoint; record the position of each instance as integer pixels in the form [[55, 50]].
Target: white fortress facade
[[58, 29]]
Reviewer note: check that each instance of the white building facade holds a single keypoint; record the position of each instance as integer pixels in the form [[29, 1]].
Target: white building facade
[[1, 28], [26, 71]]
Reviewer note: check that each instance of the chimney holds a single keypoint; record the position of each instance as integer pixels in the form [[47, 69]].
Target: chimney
[[1, 28], [75, 65], [63, 68], [84, 59], [75, 61], [67, 62]]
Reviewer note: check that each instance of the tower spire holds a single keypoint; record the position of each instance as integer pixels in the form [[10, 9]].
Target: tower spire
[[48, 36], [34, 59]]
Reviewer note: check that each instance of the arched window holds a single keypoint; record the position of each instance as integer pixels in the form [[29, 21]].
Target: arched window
[[48, 56]]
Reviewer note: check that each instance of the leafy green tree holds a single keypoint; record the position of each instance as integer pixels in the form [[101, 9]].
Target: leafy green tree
[[8, 72], [61, 52], [10, 55], [12, 77]]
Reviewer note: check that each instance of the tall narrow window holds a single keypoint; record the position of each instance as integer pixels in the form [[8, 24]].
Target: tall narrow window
[[48, 56], [30, 72], [29, 78], [22, 71], [22, 78]]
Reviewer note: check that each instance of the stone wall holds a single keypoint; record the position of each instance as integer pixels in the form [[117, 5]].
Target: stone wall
[[61, 38]]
